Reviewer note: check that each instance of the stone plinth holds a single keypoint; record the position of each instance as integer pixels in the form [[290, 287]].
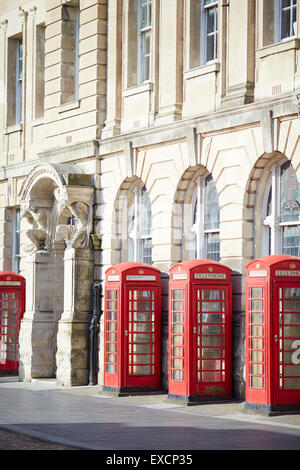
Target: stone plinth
[[37, 332]]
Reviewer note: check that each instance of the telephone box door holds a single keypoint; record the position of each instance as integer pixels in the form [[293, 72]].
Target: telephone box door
[[142, 337], [286, 343], [211, 341]]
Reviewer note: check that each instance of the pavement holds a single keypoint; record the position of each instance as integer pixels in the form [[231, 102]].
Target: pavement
[[41, 415]]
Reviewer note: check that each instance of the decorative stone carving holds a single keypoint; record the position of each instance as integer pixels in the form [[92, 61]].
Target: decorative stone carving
[[39, 235], [54, 333], [77, 235], [49, 196]]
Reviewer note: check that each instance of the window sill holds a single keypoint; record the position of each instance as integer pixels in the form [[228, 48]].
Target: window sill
[[13, 128], [277, 48], [37, 122], [68, 106], [144, 87], [212, 67]]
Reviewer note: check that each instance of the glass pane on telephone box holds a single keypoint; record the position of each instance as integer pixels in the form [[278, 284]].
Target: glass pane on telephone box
[[199, 331], [12, 307], [273, 334], [132, 330]]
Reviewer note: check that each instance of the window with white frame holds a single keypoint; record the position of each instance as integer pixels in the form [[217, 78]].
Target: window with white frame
[[19, 81], [144, 40], [16, 241], [140, 227], [14, 81], [209, 26], [202, 24], [205, 220], [281, 212], [285, 19]]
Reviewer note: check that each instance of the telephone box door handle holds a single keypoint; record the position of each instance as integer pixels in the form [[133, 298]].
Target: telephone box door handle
[[195, 329], [276, 338]]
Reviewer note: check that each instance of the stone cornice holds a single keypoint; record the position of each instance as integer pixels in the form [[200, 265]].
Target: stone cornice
[[70, 152], [222, 120], [54, 156]]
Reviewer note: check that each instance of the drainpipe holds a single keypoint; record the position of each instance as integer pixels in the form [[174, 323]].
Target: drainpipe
[[93, 330]]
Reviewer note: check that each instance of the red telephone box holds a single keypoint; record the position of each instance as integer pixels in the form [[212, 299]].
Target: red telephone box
[[132, 328], [273, 334], [200, 331], [12, 307]]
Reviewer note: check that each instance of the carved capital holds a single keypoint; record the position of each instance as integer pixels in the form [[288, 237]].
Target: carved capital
[[22, 14], [3, 25]]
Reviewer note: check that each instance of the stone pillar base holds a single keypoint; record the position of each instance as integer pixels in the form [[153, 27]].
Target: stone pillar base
[[72, 354], [72, 357], [36, 351]]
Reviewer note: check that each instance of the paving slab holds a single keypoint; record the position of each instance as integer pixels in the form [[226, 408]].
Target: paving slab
[[84, 418]]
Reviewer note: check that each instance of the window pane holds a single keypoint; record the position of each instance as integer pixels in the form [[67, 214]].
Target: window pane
[[291, 240], [213, 246], [144, 16], [20, 59], [147, 43], [195, 211], [289, 194], [291, 292], [209, 294], [147, 251], [146, 68], [146, 13], [146, 222], [269, 203], [210, 21], [294, 19], [210, 49], [212, 211], [288, 21]]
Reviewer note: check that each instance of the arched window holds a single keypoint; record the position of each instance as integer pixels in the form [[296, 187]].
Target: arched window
[[140, 227], [205, 220], [281, 215]]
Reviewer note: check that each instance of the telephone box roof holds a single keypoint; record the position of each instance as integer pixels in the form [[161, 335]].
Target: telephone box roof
[[121, 267], [271, 260], [5, 274], [193, 263]]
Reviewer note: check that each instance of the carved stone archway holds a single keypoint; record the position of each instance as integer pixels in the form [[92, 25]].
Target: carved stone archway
[[57, 202]]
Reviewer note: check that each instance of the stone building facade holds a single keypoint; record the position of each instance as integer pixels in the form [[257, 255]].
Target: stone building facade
[[154, 131]]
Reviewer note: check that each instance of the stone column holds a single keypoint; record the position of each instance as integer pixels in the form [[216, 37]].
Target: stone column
[[36, 357], [114, 70], [171, 62], [240, 44], [73, 327]]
